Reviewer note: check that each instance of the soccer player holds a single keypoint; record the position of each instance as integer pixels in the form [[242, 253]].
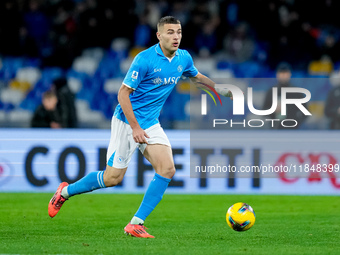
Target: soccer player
[[152, 76]]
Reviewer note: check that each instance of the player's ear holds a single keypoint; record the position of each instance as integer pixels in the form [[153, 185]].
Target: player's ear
[[158, 35]]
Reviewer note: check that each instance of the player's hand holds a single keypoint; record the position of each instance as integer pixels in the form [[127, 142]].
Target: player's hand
[[224, 92], [139, 135], [229, 94], [55, 125]]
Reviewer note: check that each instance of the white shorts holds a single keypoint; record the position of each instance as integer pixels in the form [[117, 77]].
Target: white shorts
[[122, 145]]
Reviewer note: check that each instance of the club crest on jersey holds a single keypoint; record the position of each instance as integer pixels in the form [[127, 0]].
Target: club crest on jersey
[[134, 75], [179, 68]]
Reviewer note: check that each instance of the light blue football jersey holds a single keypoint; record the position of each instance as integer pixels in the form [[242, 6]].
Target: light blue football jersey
[[153, 76]]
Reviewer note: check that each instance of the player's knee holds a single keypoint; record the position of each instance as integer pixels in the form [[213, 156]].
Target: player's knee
[[172, 171], [169, 172]]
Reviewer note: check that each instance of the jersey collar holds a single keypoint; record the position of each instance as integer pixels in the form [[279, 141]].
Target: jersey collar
[[160, 52]]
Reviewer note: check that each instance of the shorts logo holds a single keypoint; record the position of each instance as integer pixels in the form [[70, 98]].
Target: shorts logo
[[134, 75], [120, 159], [179, 68]]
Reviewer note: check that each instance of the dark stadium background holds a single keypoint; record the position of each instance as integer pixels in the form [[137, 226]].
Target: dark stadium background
[[92, 43]]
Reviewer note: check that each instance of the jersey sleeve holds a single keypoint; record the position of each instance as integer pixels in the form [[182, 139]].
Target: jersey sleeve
[[136, 73], [190, 70]]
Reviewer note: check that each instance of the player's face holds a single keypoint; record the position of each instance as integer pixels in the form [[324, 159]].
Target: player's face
[[283, 77], [50, 103], [169, 36]]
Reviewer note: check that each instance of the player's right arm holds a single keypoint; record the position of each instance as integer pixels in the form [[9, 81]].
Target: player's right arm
[[133, 78], [139, 135]]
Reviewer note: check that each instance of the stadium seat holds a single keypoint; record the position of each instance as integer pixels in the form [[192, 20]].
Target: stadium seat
[[20, 85], [83, 77], [74, 84], [219, 75], [7, 107], [324, 66], [125, 64], [205, 65], [20, 116], [42, 85], [85, 94], [85, 64], [120, 45], [3, 117], [95, 53], [109, 67], [10, 66], [222, 65], [86, 115], [28, 74], [112, 85], [51, 73], [108, 105], [29, 104], [299, 74], [247, 69], [11, 96]]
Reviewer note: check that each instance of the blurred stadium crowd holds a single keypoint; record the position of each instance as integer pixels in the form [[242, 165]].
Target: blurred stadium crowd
[[92, 43]]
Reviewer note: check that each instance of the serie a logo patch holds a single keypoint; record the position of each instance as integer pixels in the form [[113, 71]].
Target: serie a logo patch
[[134, 75]]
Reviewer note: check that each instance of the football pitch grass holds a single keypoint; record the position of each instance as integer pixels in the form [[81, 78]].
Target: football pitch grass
[[182, 224]]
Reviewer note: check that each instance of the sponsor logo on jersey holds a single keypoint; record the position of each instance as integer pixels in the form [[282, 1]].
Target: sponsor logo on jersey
[[171, 80], [179, 68], [166, 81], [157, 70]]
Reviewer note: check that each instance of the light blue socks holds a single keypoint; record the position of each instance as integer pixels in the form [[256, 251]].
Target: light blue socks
[[90, 182], [152, 197], [94, 180]]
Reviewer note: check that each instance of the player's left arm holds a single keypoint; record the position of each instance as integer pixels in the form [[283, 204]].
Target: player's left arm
[[201, 79]]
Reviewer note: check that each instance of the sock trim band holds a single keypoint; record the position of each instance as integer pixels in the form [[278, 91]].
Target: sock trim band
[[100, 179]]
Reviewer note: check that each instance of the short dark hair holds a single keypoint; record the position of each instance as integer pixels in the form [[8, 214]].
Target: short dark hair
[[284, 67], [48, 94], [167, 20]]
